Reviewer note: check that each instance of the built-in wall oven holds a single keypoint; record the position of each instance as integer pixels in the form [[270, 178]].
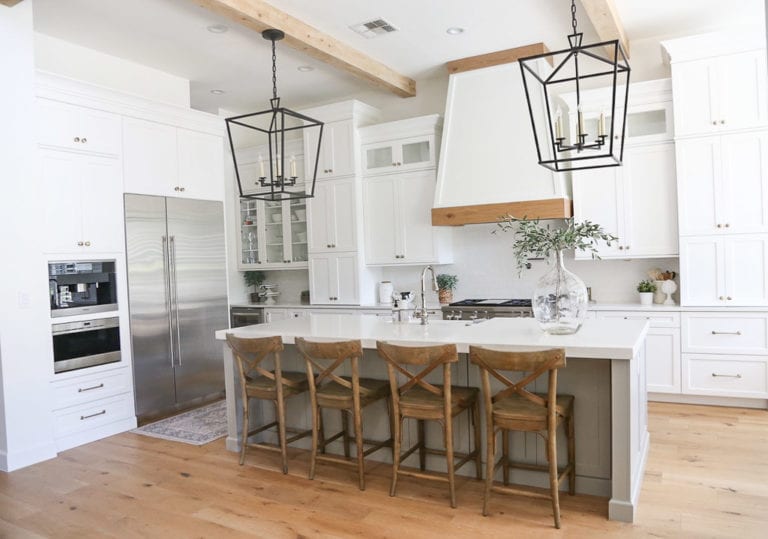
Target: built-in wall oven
[[82, 287], [85, 344]]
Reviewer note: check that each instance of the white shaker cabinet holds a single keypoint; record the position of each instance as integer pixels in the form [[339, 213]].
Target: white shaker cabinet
[[332, 217], [636, 202], [720, 93], [333, 279], [399, 155], [164, 160], [70, 127], [82, 204], [398, 220], [723, 184], [724, 271], [337, 150]]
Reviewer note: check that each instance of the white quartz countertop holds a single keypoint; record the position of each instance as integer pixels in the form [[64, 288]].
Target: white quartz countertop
[[375, 307], [597, 338]]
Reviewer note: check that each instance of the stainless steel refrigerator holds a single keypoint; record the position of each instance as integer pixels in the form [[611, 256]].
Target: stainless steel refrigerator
[[177, 299]]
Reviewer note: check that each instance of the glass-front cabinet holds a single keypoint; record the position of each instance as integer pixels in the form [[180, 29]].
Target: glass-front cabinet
[[399, 155], [273, 235]]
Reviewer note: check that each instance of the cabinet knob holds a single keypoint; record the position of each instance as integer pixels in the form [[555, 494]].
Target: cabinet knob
[[176, 188], [727, 225], [79, 243], [719, 225], [76, 139], [729, 298], [399, 164], [714, 122], [627, 247], [182, 188], [394, 164], [722, 298], [88, 244], [722, 122], [621, 247], [330, 170], [333, 246], [83, 140]]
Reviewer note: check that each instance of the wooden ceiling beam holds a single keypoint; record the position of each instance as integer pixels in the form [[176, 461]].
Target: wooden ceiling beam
[[259, 16], [605, 19], [495, 58], [9, 3]]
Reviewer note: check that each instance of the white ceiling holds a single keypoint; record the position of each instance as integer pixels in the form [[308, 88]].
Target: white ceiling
[[171, 35]]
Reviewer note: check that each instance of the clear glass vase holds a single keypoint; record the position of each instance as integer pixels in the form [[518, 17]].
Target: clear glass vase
[[560, 299]]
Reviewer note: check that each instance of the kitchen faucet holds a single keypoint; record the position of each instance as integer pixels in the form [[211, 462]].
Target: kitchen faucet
[[423, 312]]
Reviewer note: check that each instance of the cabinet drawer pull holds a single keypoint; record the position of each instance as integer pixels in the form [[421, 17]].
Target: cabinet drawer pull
[[715, 375], [84, 389], [83, 417], [726, 332]]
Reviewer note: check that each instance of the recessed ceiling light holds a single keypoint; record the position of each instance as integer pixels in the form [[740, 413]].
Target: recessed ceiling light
[[218, 29], [218, 92], [454, 31], [305, 69]]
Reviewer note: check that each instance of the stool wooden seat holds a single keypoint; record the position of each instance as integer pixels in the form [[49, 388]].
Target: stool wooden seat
[[256, 382], [516, 408], [349, 394], [421, 400]]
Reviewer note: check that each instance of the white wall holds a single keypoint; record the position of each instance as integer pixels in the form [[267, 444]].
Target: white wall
[[26, 361], [69, 60]]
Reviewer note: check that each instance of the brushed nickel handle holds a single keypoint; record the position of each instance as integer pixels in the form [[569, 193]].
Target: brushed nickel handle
[[84, 389], [719, 225], [722, 298], [76, 139], [729, 298], [79, 243], [82, 417], [176, 188], [716, 375], [726, 332], [727, 225], [83, 140]]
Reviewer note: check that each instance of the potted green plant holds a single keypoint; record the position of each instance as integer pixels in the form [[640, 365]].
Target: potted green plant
[[560, 298], [445, 287], [254, 279], [646, 290]]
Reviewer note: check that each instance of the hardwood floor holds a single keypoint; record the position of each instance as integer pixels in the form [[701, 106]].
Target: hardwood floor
[[707, 476]]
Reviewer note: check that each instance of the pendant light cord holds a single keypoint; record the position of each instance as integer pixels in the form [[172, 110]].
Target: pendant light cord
[[274, 70], [573, 15]]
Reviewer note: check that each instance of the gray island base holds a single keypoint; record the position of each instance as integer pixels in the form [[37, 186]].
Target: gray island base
[[605, 372]]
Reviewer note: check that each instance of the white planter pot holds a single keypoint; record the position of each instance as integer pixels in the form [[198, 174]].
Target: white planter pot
[[646, 298]]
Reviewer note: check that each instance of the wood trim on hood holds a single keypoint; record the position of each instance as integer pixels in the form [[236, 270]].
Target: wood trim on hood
[[551, 208]]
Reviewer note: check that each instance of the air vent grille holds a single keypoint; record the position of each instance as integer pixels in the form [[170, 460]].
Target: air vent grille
[[374, 28]]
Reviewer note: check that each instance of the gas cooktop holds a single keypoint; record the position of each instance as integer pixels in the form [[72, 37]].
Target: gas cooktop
[[492, 303]]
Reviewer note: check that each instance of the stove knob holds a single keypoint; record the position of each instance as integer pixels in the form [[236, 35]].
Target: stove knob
[[487, 314], [473, 316]]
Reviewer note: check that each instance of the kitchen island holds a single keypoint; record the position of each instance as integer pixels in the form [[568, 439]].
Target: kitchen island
[[605, 373]]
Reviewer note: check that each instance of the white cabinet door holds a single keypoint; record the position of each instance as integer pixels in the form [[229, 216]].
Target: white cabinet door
[[702, 266], [320, 273], [746, 270], [320, 215], [742, 98], [76, 128], [345, 283], [598, 197], [150, 161], [699, 187], [650, 201], [380, 216], [100, 131], [332, 214], [662, 357], [61, 205], [695, 90], [415, 193], [102, 203], [201, 167], [339, 145], [744, 182], [333, 279]]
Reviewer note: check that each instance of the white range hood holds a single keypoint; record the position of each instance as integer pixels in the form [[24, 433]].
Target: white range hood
[[488, 163]]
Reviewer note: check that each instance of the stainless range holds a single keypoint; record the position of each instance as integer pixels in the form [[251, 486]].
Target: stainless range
[[478, 309]]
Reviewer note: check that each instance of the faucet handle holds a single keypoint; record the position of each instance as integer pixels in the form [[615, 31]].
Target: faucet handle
[[474, 315]]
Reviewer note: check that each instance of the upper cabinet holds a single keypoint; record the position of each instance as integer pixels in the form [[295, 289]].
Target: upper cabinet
[[722, 93], [332, 217], [64, 126], [399, 155], [273, 235], [163, 160], [723, 184], [337, 156]]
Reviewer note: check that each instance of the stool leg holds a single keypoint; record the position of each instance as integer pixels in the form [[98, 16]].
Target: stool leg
[[281, 433], [316, 422], [321, 431], [570, 433], [505, 454], [553, 486], [357, 417], [398, 424], [448, 430], [478, 456], [345, 431], [246, 428], [422, 445], [490, 459]]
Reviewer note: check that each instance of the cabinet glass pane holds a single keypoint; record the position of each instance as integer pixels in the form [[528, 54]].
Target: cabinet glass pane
[[299, 230], [649, 122], [379, 157], [249, 234], [273, 233], [416, 152]]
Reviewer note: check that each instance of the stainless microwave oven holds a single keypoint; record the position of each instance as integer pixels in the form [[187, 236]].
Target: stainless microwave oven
[[82, 287]]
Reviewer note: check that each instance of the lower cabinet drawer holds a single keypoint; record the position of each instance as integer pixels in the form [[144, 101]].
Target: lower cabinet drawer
[[656, 319], [720, 375], [94, 414], [87, 388], [720, 333]]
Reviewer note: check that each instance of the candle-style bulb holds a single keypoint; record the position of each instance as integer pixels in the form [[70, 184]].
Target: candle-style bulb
[[558, 124], [580, 116]]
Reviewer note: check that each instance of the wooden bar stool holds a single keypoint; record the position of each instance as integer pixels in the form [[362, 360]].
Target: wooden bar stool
[[421, 400], [515, 408], [347, 394], [256, 382]]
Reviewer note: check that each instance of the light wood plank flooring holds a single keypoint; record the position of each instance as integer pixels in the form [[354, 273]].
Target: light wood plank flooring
[[707, 476]]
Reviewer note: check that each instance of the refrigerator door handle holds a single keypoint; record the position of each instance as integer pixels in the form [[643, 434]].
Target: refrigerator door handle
[[174, 287], [168, 303]]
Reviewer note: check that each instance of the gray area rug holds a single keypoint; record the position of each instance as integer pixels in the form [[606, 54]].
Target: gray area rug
[[197, 427]]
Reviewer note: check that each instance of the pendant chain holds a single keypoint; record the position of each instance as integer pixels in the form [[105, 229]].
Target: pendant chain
[[573, 15], [274, 70]]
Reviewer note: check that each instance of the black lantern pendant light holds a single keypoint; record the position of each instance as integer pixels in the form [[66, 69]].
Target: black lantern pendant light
[[268, 147], [557, 85]]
